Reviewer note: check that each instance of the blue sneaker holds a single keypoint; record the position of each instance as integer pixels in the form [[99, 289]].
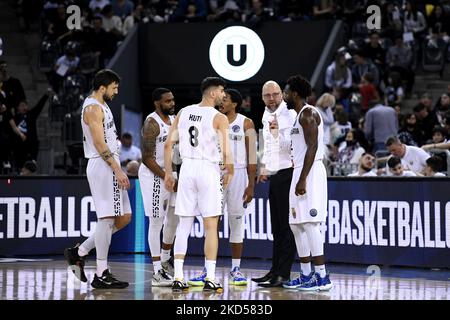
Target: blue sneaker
[[310, 283], [324, 283], [198, 281], [237, 278], [294, 284]]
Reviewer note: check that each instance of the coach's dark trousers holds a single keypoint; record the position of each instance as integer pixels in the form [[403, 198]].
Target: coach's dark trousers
[[284, 248]]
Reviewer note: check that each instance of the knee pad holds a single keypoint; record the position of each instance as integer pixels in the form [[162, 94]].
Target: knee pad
[[236, 224]]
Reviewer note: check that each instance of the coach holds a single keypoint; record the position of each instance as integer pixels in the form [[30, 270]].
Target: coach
[[276, 163]]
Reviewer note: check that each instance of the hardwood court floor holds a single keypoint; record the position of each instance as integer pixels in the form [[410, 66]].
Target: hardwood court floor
[[50, 279]]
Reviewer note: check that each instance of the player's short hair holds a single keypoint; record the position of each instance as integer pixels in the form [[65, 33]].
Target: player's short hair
[[158, 92], [104, 78], [300, 85], [368, 153], [393, 162], [235, 96], [211, 82], [392, 140], [127, 135], [435, 163]]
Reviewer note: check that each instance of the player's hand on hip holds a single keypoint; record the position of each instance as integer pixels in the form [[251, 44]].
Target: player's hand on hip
[[122, 179], [169, 182], [300, 188]]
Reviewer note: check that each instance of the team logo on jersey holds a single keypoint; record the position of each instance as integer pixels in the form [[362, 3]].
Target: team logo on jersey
[[236, 53], [313, 212], [236, 128]]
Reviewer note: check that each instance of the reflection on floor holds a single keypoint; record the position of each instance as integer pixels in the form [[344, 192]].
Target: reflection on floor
[[50, 279]]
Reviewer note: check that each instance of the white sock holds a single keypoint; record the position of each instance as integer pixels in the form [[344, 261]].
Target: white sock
[[102, 265], [306, 268], [178, 266], [165, 255], [235, 263], [156, 266], [320, 270], [210, 269]]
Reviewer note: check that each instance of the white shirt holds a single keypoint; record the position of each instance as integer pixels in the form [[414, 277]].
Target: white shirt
[[328, 120], [407, 173], [98, 4], [131, 153], [63, 60], [370, 173], [439, 174], [277, 151], [414, 159], [112, 23]]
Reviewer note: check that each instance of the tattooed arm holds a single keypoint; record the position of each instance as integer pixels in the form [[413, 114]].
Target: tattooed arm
[[149, 133]]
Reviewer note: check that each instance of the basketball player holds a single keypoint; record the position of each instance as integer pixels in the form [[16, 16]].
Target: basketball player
[[239, 193], [157, 200], [202, 134], [308, 192], [107, 182]]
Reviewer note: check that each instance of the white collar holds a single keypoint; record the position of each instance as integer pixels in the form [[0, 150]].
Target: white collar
[[281, 108]]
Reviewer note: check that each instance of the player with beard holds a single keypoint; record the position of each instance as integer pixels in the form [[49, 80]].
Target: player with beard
[[239, 193], [366, 166], [203, 142], [107, 182], [158, 201], [308, 191]]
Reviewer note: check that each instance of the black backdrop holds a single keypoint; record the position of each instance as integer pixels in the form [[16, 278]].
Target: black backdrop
[[177, 56]]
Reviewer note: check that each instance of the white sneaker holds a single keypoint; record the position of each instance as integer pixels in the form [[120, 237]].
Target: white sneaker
[[168, 267], [162, 279]]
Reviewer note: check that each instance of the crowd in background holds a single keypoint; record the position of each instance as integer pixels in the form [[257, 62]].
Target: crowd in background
[[365, 85]]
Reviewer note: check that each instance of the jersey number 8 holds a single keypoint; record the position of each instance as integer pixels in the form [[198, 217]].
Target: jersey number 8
[[193, 132]]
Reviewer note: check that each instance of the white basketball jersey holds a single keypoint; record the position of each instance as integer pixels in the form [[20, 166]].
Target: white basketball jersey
[[109, 131], [237, 140], [161, 138], [298, 140], [198, 138]]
